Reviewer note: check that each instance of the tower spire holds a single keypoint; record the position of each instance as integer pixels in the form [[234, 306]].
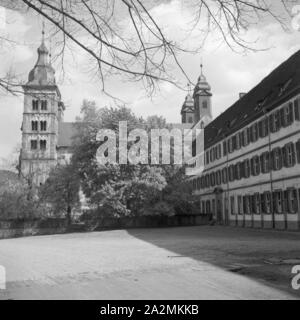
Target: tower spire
[[189, 88], [201, 66], [43, 31]]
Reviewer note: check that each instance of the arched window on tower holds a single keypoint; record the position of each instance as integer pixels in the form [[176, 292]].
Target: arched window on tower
[[44, 105], [43, 144], [35, 105], [202, 125], [34, 125], [43, 125], [204, 104], [190, 119]]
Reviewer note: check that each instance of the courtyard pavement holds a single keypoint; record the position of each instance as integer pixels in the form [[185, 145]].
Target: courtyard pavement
[[205, 262]]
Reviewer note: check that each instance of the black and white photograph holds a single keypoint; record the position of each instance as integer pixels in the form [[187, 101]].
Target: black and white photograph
[[149, 151]]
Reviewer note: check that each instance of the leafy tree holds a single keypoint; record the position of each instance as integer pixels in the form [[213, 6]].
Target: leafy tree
[[61, 190], [120, 189]]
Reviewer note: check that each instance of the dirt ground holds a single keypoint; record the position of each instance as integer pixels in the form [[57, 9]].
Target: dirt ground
[[205, 262]]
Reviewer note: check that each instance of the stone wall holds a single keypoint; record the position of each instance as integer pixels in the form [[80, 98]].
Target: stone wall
[[148, 222], [21, 228]]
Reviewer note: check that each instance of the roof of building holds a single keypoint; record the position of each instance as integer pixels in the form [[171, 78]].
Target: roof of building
[[280, 85], [66, 133], [42, 74]]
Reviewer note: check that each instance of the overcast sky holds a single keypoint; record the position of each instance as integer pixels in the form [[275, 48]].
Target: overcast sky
[[227, 72]]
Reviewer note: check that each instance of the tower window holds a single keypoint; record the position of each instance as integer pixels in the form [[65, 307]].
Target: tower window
[[33, 144], [43, 125], [44, 105], [190, 119], [43, 144], [204, 104], [35, 105], [34, 125]]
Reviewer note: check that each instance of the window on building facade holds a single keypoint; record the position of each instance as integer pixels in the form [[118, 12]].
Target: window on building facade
[[232, 205], [219, 151], [204, 104], [287, 115], [231, 173], [213, 206], [263, 128], [207, 207], [44, 105], [207, 182], [218, 177], [278, 201], [276, 159], [274, 121], [212, 155], [247, 204], [34, 125], [43, 144], [289, 156], [265, 162], [245, 137], [255, 166], [230, 144], [212, 179], [246, 169], [238, 141], [43, 125], [267, 202], [240, 205], [256, 203], [298, 150], [224, 175], [297, 109], [33, 144], [203, 206], [190, 120], [254, 132], [35, 105], [238, 171], [207, 157], [292, 200], [224, 148]]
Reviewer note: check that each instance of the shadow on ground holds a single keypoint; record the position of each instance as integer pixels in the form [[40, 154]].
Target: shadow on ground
[[266, 256]]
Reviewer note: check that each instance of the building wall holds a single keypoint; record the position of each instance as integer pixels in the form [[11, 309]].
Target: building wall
[[284, 183], [36, 163]]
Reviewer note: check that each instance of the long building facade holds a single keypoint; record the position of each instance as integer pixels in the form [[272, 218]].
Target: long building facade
[[251, 175]]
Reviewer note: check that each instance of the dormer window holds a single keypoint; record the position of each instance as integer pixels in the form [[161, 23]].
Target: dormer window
[[35, 105], [204, 104], [44, 105]]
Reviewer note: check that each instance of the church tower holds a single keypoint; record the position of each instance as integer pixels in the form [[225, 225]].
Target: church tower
[[202, 101], [43, 110], [187, 110]]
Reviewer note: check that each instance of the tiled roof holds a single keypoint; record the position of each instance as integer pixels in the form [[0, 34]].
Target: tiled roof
[[281, 84], [66, 133]]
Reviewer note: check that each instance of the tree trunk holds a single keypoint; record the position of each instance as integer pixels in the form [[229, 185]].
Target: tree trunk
[[69, 217]]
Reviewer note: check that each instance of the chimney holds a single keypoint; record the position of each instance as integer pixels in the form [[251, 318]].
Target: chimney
[[241, 94]]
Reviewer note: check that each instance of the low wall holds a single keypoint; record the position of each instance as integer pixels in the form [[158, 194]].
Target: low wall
[[148, 222], [22, 227]]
